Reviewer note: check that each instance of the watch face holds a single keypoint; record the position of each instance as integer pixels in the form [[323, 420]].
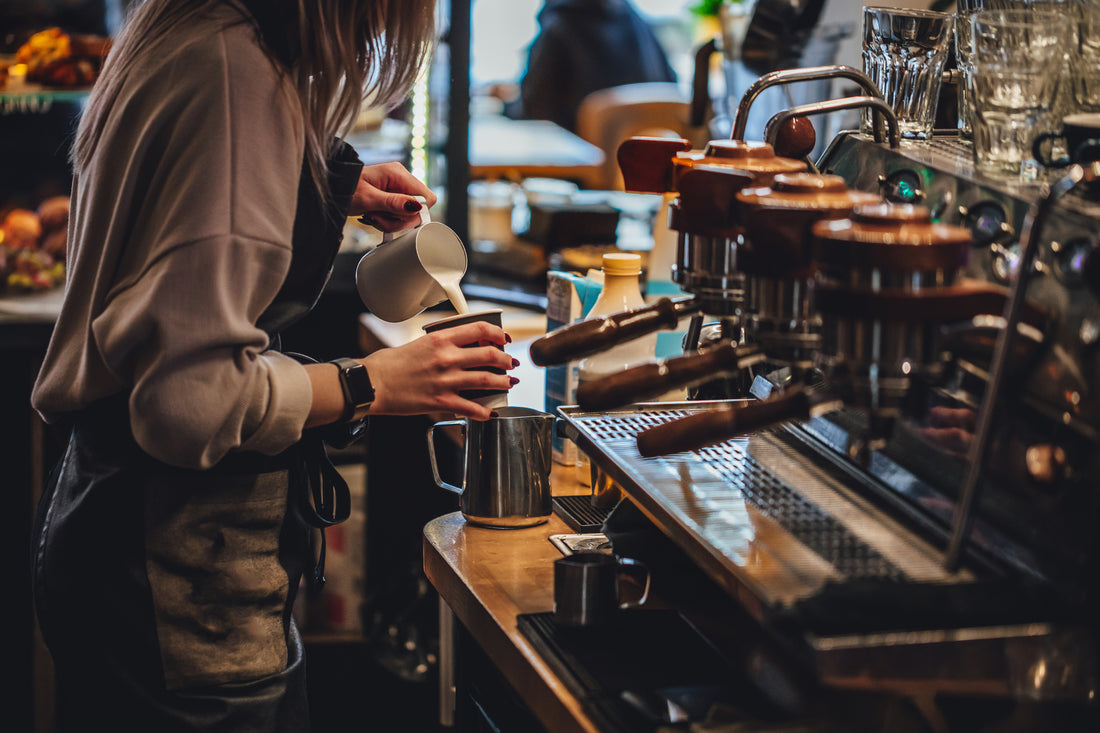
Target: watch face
[[359, 385]]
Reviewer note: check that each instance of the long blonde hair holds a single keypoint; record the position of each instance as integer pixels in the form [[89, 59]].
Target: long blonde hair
[[349, 50]]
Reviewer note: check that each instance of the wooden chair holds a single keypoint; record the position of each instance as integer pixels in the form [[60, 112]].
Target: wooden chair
[[607, 117]]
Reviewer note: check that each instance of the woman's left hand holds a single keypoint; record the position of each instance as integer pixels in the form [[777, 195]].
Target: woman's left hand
[[385, 197]]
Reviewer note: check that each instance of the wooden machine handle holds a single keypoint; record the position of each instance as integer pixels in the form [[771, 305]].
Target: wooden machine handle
[[646, 381], [578, 340], [714, 426]]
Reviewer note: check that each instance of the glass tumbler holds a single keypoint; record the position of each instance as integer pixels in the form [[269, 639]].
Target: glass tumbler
[[904, 52], [1016, 63], [1086, 62], [966, 8]]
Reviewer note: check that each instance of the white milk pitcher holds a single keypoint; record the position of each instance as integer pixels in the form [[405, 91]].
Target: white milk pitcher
[[412, 270]]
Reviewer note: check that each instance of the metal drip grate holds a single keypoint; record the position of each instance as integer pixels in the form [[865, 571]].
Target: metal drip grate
[[578, 512], [813, 527], [762, 489]]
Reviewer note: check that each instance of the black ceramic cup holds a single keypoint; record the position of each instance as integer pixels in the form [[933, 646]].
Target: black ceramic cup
[[1081, 134], [588, 588]]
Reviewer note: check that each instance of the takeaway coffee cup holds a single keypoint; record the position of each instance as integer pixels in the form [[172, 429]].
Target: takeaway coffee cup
[[506, 468], [1081, 135], [491, 398], [412, 270], [588, 588]]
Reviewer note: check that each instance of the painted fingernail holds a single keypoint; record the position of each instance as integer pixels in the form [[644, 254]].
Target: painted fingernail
[[513, 380], [411, 206], [494, 414], [507, 339], [515, 362]]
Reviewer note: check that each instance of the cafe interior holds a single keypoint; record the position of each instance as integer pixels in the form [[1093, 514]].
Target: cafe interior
[[722, 498]]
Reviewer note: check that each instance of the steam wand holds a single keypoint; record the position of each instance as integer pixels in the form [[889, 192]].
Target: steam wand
[[787, 76], [971, 488]]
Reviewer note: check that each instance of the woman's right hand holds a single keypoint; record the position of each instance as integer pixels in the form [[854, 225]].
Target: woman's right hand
[[427, 374]]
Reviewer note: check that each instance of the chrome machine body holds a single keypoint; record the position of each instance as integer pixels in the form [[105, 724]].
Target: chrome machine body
[[960, 554]]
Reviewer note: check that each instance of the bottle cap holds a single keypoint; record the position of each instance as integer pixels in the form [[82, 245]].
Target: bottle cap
[[622, 263]]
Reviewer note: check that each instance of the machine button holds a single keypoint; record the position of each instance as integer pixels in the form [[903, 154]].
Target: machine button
[[1069, 259], [987, 222], [902, 187]]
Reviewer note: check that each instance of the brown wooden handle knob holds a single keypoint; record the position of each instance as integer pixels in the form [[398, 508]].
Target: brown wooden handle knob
[[650, 380], [714, 426], [795, 138], [579, 340]]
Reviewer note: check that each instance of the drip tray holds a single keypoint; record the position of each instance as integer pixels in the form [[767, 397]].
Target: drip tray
[[577, 511], [651, 668]]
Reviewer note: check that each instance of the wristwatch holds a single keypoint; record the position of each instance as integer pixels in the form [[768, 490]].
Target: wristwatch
[[358, 391]]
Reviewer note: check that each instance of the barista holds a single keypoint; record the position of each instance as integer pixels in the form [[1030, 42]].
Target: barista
[[207, 206]]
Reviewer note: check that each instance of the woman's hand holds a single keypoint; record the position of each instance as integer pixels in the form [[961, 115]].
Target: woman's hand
[[427, 374], [385, 197]]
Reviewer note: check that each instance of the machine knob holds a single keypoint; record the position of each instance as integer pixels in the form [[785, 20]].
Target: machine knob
[[795, 138], [987, 222], [902, 187]]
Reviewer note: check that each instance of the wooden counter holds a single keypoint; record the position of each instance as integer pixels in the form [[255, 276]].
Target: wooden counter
[[489, 576]]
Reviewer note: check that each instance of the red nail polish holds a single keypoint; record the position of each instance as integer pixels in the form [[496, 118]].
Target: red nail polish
[[507, 339], [513, 380], [494, 414], [515, 362], [412, 206]]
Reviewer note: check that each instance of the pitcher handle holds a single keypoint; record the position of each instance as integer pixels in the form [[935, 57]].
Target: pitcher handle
[[425, 217], [635, 567], [1039, 155], [431, 455]]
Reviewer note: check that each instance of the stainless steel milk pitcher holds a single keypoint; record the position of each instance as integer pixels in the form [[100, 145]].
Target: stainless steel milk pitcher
[[506, 471]]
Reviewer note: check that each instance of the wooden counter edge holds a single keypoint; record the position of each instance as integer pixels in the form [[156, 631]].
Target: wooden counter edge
[[492, 623]]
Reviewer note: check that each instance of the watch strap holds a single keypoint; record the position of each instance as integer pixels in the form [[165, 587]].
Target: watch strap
[[357, 389]]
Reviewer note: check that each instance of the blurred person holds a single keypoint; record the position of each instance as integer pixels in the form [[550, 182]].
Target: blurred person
[[583, 46], [209, 194]]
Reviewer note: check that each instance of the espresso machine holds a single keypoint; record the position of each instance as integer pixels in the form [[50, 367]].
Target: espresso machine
[[905, 491]]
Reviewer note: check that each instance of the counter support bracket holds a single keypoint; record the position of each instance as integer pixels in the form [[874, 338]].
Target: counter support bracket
[[446, 665]]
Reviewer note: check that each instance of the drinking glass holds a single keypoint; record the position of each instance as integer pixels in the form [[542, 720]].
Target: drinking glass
[[965, 9], [904, 52], [1086, 67], [1017, 57]]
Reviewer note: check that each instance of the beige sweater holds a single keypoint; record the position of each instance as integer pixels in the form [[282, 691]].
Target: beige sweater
[[180, 237]]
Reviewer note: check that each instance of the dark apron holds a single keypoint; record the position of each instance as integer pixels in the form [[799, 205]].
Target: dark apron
[[165, 594]]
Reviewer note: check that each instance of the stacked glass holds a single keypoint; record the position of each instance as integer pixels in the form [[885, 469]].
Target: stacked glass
[[1086, 72], [966, 8], [1017, 61]]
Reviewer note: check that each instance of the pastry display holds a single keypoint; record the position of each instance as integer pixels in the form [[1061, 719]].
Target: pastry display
[[54, 58], [32, 246]]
